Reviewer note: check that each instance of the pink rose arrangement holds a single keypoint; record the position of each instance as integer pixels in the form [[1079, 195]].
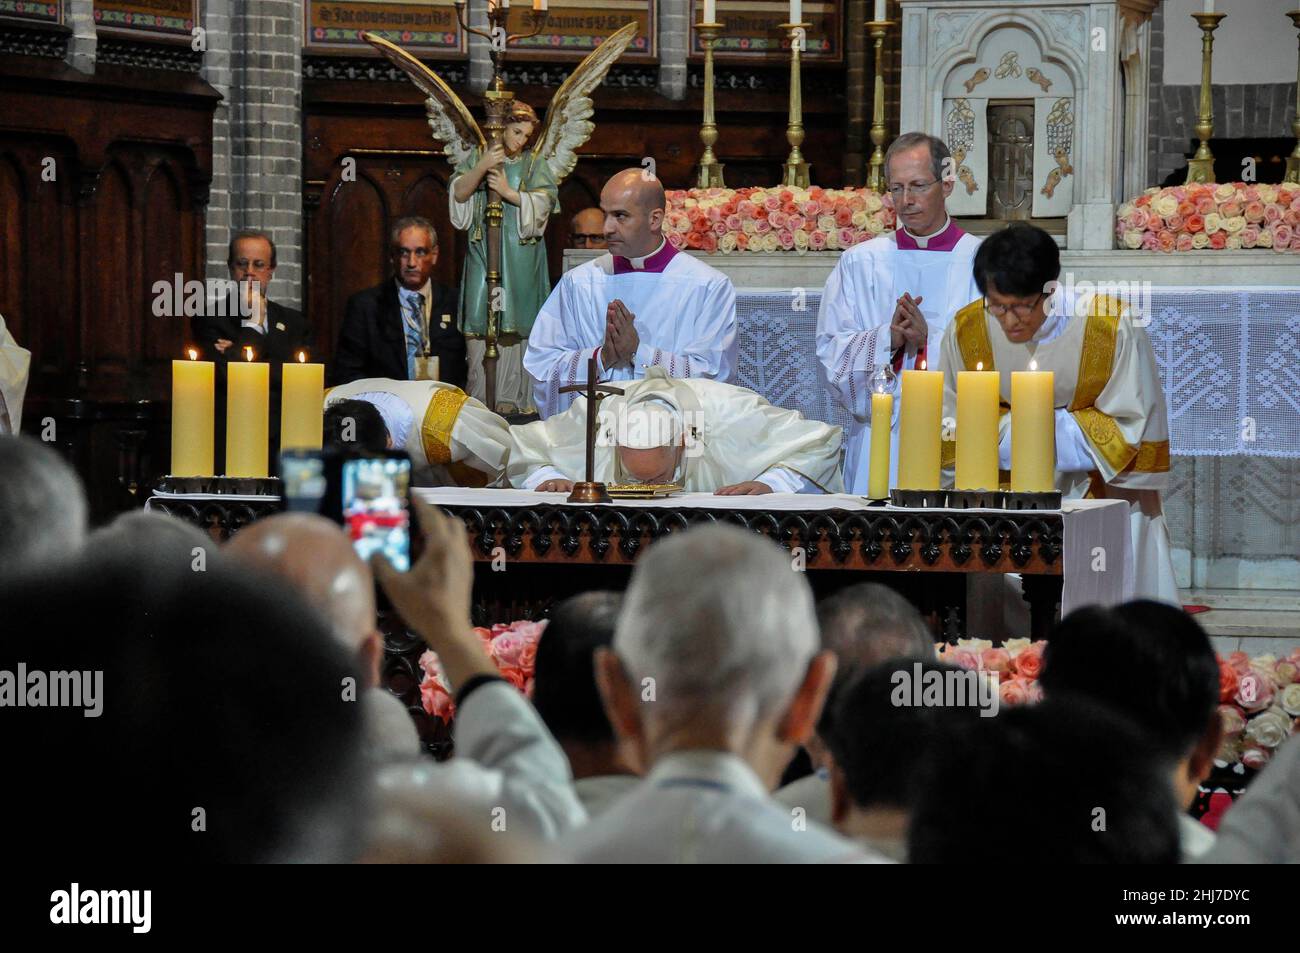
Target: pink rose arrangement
[[1230, 215], [1017, 665], [775, 219], [1259, 705], [512, 648]]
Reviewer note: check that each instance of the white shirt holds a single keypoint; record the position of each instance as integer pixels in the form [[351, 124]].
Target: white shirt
[[1195, 839], [853, 336], [685, 318], [706, 807], [598, 793], [1263, 827], [505, 759]]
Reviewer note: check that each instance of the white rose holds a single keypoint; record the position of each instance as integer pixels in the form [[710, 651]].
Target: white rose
[[1200, 240], [1289, 700], [1015, 646], [1133, 239], [1269, 729]]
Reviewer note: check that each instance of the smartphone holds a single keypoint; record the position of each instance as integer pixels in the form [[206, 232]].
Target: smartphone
[[376, 514], [368, 495]]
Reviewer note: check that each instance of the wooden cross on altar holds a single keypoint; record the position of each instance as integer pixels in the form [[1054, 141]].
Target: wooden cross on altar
[[590, 491]]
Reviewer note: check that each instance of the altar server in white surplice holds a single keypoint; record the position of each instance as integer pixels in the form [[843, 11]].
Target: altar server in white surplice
[[642, 305], [1112, 429], [453, 440], [889, 300], [15, 364], [705, 436]]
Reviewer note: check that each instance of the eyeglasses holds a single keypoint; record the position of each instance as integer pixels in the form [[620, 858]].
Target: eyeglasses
[[898, 191], [1020, 310]]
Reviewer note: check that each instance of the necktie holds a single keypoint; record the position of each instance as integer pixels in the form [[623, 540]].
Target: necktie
[[414, 324]]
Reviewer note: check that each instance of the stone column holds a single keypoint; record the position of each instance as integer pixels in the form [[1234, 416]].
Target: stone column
[[674, 33], [79, 16]]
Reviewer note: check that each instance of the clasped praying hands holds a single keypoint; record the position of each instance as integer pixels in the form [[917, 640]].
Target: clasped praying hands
[[621, 338]]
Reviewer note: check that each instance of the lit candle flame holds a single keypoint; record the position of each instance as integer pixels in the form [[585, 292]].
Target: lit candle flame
[[248, 353], [1033, 365], [922, 363], [979, 366], [302, 357], [194, 355]]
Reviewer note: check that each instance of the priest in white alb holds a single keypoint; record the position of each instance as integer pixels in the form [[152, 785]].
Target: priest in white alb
[[702, 435], [889, 300], [452, 439], [15, 365], [643, 304], [1111, 425]]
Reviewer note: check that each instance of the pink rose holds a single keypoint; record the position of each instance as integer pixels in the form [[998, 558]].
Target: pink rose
[[1281, 236], [995, 660], [777, 219], [1204, 205], [1034, 691], [528, 657], [817, 240], [1272, 213], [846, 237], [1254, 211], [1012, 692], [1174, 223], [1029, 663], [709, 242], [1194, 222], [719, 228], [1179, 192], [843, 216], [1233, 721], [1253, 692], [514, 677], [1240, 662], [733, 223], [772, 203], [811, 210], [1218, 240], [505, 650], [746, 209], [795, 222], [762, 226], [786, 237], [436, 701], [1292, 218], [1285, 672], [1255, 758], [1231, 209], [1150, 242], [1249, 236], [1184, 242], [1167, 240], [964, 658], [714, 214], [677, 240]]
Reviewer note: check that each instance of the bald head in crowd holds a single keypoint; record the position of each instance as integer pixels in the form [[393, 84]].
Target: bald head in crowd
[[633, 202], [317, 559]]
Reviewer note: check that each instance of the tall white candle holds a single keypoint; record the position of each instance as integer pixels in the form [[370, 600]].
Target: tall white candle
[[880, 10], [710, 11], [539, 6], [796, 11], [1207, 6]]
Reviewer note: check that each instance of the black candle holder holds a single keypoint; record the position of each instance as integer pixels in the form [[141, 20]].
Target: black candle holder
[[220, 485], [977, 499], [919, 499], [1051, 500]]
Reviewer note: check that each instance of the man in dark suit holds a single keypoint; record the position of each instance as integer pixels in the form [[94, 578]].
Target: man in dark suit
[[384, 330], [274, 332], [246, 318]]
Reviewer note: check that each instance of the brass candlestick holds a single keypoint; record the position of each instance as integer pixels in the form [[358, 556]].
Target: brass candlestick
[[1201, 166], [1293, 161], [710, 172], [796, 169], [496, 104], [877, 30]]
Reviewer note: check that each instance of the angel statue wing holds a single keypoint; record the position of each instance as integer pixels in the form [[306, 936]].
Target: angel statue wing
[[452, 123], [568, 117]]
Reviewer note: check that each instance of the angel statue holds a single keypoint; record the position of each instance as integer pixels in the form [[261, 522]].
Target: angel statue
[[499, 179]]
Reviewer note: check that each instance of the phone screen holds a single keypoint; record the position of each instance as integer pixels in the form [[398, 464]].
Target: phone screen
[[374, 507], [305, 482]]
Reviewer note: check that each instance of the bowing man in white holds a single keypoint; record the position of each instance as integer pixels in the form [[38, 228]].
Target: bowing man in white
[[1112, 429], [713, 679], [642, 305], [705, 436], [889, 300], [452, 439]]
